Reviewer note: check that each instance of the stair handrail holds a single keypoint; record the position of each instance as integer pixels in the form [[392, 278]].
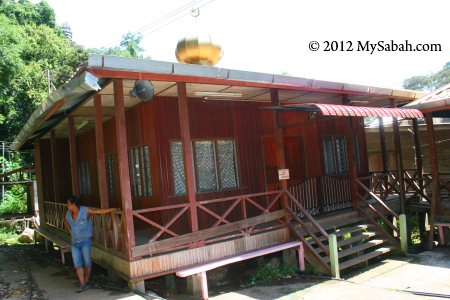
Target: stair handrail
[[310, 218], [378, 199]]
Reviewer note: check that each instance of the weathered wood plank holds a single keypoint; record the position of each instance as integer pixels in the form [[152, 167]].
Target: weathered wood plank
[[160, 246]]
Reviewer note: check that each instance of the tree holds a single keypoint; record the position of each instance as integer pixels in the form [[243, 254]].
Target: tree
[[129, 47], [429, 82], [30, 44]]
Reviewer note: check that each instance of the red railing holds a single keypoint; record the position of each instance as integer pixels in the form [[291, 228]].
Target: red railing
[[108, 229], [324, 194], [213, 213]]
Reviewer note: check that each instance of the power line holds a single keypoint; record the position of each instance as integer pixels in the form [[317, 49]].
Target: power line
[[184, 10]]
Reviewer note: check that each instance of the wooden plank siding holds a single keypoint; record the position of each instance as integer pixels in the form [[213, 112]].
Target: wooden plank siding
[[156, 124]]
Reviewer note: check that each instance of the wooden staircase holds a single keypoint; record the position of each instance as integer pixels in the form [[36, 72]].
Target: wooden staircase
[[360, 237]]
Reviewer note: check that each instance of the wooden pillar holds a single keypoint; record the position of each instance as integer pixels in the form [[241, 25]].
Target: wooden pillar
[[73, 157], [38, 172], [383, 145], [351, 154], [418, 153], [434, 176], [100, 147], [124, 171], [187, 153], [398, 159], [55, 174], [279, 142]]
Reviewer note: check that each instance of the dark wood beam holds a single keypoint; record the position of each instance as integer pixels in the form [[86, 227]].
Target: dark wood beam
[[124, 173], [100, 149], [73, 157], [38, 172], [435, 177], [351, 154], [279, 142], [188, 156], [418, 153], [398, 159], [55, 174], [383, 145]]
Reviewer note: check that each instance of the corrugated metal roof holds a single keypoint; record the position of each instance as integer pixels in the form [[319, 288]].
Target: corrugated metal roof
[[355, 111]]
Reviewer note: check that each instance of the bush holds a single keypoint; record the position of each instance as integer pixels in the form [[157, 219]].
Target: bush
[[266, 274], [15, 201]]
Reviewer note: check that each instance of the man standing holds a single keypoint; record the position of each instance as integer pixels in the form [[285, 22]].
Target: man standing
[[79, 224]]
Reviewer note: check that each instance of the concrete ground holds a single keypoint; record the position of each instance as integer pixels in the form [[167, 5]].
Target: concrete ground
[[419, 276], [31, 274]]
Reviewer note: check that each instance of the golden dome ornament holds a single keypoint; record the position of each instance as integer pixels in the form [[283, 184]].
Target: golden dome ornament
[[198, 48]]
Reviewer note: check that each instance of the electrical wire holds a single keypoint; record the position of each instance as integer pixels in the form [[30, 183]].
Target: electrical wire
[[166, 19]]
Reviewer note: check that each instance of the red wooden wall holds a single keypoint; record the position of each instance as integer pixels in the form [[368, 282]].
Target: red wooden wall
[[156, 124]]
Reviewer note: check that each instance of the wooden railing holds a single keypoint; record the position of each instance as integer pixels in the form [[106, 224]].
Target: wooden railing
[[243, 215], [324, 194], [373, 206], [219, 211], [108, 229]]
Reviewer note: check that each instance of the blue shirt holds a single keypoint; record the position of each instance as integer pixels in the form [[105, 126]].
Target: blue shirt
[[81, 228]]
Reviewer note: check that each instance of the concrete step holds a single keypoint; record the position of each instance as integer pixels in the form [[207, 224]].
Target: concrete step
[[365, 257], [359, 248], [353, 239]]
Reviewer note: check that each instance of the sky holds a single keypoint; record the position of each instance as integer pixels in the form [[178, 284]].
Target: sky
[[274, 36]]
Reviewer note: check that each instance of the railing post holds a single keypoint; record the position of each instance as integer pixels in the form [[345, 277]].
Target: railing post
[[403, 233], [334, 259]]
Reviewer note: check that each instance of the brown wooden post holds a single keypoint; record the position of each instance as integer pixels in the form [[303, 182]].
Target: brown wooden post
[[383, 155], [38, 171], [124, 172], [418, 152], [100, 147], [434, 176], [351, 154], [398, 159], [187, 153], [55, 174], [73, 157], [279, 142], [383, 145]]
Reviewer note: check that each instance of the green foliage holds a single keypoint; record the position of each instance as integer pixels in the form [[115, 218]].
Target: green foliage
[[30, 44], [129, 47], [267, 274], [429, 82], [15, 201], [8, 235]]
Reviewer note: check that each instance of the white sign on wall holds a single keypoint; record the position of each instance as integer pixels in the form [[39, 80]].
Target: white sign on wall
[[283, 174]]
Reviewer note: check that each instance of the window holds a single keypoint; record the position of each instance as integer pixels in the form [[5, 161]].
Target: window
[[215, 166], [335, 155], [141, 181], [110, 175], [84, 179], [179, 180]]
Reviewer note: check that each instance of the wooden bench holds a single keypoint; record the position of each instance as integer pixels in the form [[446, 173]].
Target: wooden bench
[[63, 245], [440, 226], [198, 272]]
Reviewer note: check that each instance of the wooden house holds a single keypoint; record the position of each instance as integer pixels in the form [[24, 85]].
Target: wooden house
[[217, 163]]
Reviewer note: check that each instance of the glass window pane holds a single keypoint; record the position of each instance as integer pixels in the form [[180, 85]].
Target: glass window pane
[[179, 180], [328, 153], [110, 175], [148, 179], [137, 172], [341, 155], [205, 166], [227, 164]]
